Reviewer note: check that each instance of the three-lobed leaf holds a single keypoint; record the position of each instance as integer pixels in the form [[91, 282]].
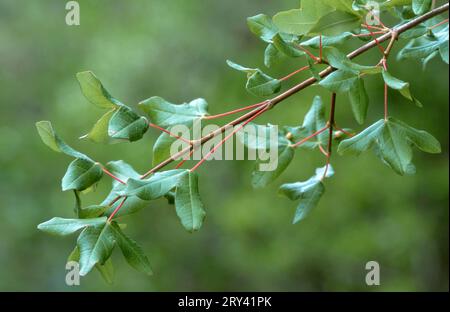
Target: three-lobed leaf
[[308, 192], [392, 140]]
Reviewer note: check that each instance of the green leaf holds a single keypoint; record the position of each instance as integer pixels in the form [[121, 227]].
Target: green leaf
[[158, 185], [262, 26], [132, 205], [258, 83], [401, 86], [301, 21], [272, 56], [127, 125], [94, 91], [314, 121], [261, 179], [339, 81], [287, 48], [362, 141], [387, 4], [61, 226], [327, 41], [92, 211], [424, 46], [262, 138], [166, 114], [163, 145], [308, 192], [314, 69], [131, 250], [52, 140], [122, 170], [96, 245], [99, 133], [359, 100], [106, 270], [421, 6], [335, 23], [261, 84], [392, 140], [342, 5], [188, 205], [339, 60], [81, 174]]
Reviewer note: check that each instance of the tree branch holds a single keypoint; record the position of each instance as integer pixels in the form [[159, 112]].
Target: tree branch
[[306, 83]]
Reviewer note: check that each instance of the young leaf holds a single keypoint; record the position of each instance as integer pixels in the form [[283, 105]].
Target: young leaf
[[188, 205], [258, 83], [81, 174], [401, 86], [127, 125], [166, 114], [95, 245], [52, 140], [94, 91], [61, 226], [393, 140], [301, 21], [359, 100], [308, 192], [156, 186], [262, 26], [131, 250]]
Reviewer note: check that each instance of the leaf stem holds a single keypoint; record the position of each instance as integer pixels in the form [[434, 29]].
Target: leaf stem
[[235, 111], [380, 47], [438, 24], [112, 175], [117, 209], [295, 72], [114, 200], [310, 136], [169, 133], [312, 56]]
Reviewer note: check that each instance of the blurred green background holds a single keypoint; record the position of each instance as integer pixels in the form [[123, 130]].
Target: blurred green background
[[177, 49]]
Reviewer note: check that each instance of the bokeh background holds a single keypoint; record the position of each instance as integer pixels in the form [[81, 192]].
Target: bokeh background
[[177, 49]]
